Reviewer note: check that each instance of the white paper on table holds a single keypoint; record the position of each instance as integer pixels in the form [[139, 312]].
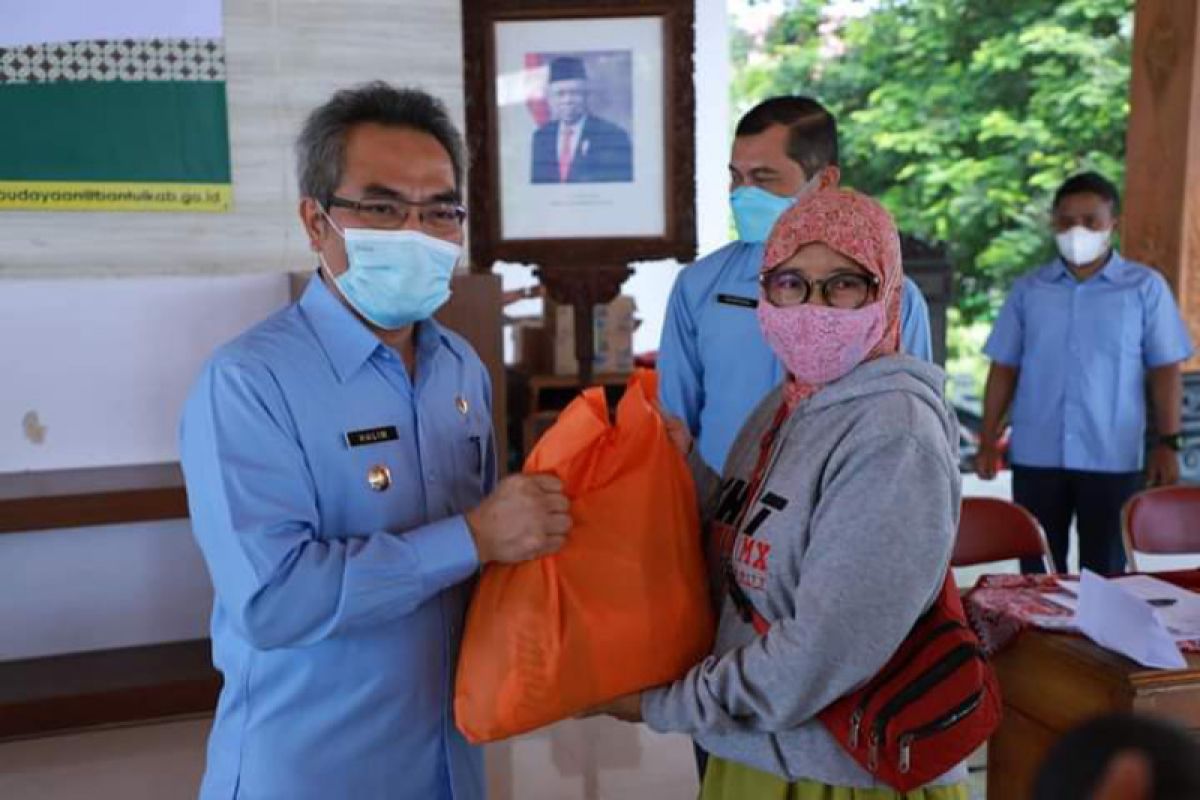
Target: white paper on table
[[1181, 618], [1114, 618]]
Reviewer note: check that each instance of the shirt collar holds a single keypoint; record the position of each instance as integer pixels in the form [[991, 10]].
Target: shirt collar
[[348, 342], [750, 255], [432, 336], [1117, 270]]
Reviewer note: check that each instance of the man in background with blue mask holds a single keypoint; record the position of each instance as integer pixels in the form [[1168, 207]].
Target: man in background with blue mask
[[714, 366], [341, 478]]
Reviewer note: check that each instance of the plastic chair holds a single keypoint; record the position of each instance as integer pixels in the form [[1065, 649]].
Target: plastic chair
[[991, 529], [1161, 520]]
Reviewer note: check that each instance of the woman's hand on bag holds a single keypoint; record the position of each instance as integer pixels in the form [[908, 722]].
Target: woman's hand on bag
[[679, 434], [526, 517]]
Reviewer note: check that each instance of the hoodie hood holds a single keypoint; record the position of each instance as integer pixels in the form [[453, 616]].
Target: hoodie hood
[[919, 379]]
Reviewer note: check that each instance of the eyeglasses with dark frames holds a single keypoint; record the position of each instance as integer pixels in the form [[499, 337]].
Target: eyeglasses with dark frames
[[391, 213], [785, 287]]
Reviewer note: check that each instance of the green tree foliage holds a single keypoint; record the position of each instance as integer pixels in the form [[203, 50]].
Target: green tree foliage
[[962, 116]]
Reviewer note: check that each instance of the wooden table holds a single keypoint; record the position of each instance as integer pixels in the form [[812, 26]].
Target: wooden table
[[1053, 682]]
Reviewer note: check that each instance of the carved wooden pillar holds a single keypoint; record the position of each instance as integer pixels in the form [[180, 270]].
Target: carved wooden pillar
[[1161, 220], [583, 289]]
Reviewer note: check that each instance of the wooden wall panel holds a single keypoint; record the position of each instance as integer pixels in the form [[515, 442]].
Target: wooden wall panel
[[1161, 225]]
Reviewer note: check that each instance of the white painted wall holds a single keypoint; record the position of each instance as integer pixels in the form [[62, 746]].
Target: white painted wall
[[105, 365], [714, 128], [81, 589]]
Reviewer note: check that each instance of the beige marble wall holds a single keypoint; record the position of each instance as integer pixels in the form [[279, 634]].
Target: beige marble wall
[[284, 57]]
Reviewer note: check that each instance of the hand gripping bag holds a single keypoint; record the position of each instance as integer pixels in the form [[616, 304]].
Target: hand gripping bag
[[622, 607]]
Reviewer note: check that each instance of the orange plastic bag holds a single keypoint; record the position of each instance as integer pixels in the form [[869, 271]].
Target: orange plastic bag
[[622, 607]]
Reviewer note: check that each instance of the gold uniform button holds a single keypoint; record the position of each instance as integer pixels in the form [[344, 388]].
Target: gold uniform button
[[379, 478]]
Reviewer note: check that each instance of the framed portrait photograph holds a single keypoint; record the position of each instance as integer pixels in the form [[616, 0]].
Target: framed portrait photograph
[[580, 120]]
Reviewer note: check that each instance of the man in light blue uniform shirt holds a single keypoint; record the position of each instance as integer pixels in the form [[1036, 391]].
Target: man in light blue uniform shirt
[[1071, 352], [342, 483], [714, 366]]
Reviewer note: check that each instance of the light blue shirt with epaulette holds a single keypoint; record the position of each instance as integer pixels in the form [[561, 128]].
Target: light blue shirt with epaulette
[[339, 600]]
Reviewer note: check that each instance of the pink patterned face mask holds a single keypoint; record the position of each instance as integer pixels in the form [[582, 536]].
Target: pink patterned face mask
[[819, 344]]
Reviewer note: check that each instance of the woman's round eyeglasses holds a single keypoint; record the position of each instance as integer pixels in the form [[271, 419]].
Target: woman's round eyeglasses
[[785, 287]]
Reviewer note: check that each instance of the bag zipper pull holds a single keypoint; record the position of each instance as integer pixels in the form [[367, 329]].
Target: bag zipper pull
[[905, 753], [953, 717], [872, 752], [855, 727]]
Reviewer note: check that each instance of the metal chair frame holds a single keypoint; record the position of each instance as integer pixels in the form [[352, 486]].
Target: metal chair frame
[[1031, 521], [1127, 534]]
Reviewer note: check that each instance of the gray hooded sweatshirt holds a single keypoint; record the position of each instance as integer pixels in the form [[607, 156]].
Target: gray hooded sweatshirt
[[852, 534]]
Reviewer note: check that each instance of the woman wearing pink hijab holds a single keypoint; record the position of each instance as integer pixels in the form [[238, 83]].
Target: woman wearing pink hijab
[[832, 523]]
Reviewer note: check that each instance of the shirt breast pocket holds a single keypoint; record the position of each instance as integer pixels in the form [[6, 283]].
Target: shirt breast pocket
[[471, 447], [472, 450], [1116, 324], [1047, 331], [379, 487]]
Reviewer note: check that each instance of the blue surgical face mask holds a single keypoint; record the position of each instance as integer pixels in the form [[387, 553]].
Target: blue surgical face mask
[[756, 210], [396, 278]]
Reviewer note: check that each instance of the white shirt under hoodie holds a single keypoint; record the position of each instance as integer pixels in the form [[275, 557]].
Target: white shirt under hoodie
[[855, 525]]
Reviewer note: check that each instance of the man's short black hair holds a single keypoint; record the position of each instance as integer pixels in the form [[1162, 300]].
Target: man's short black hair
[[813, 136], [1090, 183], [321, 147]]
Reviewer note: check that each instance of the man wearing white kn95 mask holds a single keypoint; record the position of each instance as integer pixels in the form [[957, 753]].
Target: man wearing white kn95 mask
[[341, 478], [1071, 353]]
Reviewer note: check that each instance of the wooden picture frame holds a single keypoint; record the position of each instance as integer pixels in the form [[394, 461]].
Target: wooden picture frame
[[550, 223]]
